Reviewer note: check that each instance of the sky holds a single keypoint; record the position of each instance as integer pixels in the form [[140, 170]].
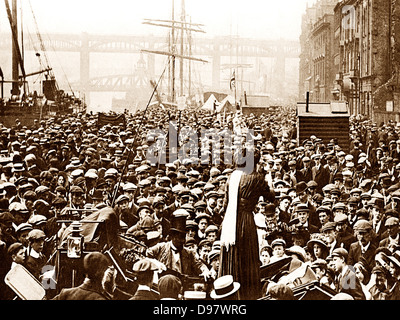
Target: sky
[[256, 19], [265, 19]]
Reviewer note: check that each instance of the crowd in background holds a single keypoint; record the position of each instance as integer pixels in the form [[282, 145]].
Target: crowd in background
[[334, 211]]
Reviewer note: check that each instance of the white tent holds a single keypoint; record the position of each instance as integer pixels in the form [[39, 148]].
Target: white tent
[[230, 99], [226, 107], [209, 105]]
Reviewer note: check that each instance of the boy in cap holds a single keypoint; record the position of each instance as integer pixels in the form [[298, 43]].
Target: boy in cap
[[36, 260], [364, 246], [17, 252], [320, 268], [278, 250], [213, 262], [345, 234], [211, 233], [346, 280], [203, 249]]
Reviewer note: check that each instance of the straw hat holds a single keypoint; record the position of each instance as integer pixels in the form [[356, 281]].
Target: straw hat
[[224, 287]]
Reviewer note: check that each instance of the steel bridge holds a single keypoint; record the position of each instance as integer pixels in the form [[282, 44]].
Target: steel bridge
[[214, 50]]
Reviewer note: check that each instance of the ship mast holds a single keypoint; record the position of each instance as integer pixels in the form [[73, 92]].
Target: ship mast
[[17, 61], [177, 27]]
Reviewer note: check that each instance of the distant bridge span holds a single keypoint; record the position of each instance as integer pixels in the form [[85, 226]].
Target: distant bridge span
[[214, 49]]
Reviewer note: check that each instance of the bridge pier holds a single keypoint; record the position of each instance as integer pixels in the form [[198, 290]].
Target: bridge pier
[[216, 67], [85, 66], [279, 71]]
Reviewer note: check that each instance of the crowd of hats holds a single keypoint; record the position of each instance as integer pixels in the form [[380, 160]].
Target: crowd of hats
[[43, 166]]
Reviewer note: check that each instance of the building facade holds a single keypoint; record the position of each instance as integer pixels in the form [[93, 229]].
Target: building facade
[[365, 57], [317, 72]]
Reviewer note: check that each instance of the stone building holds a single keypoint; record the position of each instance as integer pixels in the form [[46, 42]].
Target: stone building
[[365, 61], [317, 74]]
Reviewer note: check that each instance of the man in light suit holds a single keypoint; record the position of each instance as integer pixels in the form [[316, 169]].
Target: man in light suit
[[173, 254]]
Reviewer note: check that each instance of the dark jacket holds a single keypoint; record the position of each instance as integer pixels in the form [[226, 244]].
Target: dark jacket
[[145, 295], [355, 255], [86, 291]]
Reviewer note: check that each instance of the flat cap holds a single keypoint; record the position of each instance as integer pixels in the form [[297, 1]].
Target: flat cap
[[340, 252], [392, 221], [362, 225], [319, 263], [37, 219], [144, 265], [211, 228], [278, 242], [76, 189], [36, 234], [121, 198], [14, 248], [129, 187], [340, 218], [328, 226]]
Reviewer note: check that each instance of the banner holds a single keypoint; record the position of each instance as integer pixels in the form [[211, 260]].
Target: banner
[[114, 120]]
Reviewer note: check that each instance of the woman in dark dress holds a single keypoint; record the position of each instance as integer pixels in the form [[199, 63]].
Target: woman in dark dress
[[240, 254]]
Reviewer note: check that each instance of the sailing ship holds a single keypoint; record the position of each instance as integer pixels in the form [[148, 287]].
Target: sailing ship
[[179, 93], [24, 106]]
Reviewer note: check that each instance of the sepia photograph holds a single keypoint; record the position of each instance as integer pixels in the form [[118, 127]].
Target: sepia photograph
[[200, 155]]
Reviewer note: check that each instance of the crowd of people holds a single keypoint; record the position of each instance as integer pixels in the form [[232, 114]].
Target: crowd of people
[[332, 211]]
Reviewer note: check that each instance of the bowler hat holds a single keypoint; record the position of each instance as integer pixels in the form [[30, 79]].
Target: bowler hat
[[269, 209], [301, 187]]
